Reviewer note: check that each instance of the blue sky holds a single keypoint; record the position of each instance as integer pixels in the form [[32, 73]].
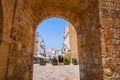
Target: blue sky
[[52, 31]]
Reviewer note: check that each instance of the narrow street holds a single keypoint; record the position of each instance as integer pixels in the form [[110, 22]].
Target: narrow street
[[60, 72]]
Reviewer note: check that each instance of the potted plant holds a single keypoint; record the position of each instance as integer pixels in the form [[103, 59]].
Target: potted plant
[[74, 61], [54, 61], [66, 61], [42, 61]]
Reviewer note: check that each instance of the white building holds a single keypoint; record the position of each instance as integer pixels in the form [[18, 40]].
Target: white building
[[50, 53], [39, 46], [59, 52], [66, 42]]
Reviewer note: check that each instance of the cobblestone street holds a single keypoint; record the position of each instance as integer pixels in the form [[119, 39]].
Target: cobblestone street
[[61, 72]]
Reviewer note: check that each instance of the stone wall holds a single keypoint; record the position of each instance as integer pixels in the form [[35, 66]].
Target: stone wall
[[6, 14], [98, 41], [1, 18], [90, 44], [20, 60], [110, 22], [73, 42], [22, 34]]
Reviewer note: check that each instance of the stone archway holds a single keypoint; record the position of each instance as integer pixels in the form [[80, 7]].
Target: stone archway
[[22, 38], [1, 17], [90, 18], [85, 24]]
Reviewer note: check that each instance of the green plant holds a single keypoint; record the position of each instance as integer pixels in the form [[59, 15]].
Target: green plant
[[42, 60], [54, 60], [74, 60], [35, 58], [67, 60]]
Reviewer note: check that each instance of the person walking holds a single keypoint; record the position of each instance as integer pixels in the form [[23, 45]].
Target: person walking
[[60, 58]]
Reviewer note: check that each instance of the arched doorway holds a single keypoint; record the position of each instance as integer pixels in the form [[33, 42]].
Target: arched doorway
[[58, 38]]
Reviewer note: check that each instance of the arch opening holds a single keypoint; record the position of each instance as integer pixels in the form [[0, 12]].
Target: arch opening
[[68, 48]]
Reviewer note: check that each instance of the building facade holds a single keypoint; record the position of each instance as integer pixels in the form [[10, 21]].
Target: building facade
[[66, 43], [40, 50], [70, 47], [51, 53], [59, 52]]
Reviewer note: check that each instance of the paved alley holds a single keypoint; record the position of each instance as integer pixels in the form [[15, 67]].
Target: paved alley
[[60, 72]]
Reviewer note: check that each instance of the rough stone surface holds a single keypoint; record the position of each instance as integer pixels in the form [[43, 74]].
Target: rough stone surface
[[98, 30], [110, 21], [90, 44], [73, 42], [61, 72]]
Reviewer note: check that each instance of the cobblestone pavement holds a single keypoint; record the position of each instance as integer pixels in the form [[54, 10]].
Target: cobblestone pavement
[[61, 72]]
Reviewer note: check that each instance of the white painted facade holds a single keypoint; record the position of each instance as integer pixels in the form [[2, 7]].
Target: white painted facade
[[59, 52], [66, 42], [40, 46], [50, 53]]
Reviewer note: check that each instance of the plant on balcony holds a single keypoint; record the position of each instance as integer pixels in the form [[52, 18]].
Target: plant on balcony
[[54, 61], [42, 61], [74, 61], [66, 61]]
